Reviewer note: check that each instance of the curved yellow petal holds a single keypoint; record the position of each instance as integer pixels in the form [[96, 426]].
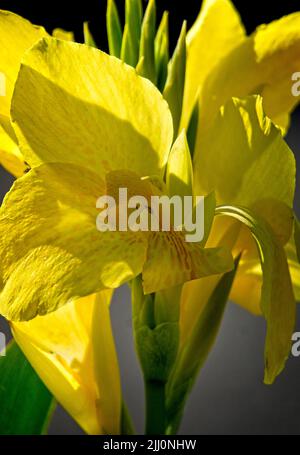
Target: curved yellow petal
[[247, 285], [94, 111], [262, 64], [217, 30], [277, 297], [245, 159], [83, 376], [16, 36], [51, 250]]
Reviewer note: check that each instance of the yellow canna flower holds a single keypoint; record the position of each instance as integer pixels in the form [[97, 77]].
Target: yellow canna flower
[[235, 64], [72, 350], [87, 125], [247, 164], [93, 116], [231, 157]]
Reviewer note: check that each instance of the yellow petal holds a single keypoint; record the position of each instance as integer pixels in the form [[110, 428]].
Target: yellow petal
[[51, 251], [277, 297], [16, 36], [60, 347], [195, 294], [215, 33], [247, 286], [94, 111], [179, 175], [172, 261], [261, 64], [106, 366], [10, 156], [252, 164], [60, 33], [246, 290]]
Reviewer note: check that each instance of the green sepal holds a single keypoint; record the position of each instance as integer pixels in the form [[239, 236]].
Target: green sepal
[[25, 402], [174, 88], [114, 30], [146, 64], [195, 352], [88, 37], [133, 21], [162, 56], [126, 49]]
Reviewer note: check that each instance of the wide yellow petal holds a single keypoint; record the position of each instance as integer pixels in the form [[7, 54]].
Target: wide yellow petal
[[83, 377], [244, 158], [74, 103], [262, 64], [51, 251], [16, 36], [217, 30]]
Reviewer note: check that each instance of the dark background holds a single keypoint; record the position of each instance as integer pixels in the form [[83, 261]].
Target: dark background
[[229, 397], [70, 15]]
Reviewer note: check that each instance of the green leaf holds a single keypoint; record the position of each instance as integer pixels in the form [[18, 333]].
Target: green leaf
[[147, 57], [174, 89], [114, 30], [297, 237], [133, 21], [88, 37], [24, 400], [193, 127], [277, 298], [162, 51], [196, 351]]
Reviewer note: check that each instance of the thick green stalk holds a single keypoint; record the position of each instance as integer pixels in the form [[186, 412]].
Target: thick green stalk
[[155, 407], [156, 334]]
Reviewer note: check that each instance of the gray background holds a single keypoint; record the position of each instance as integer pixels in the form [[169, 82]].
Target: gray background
[[229, 396]]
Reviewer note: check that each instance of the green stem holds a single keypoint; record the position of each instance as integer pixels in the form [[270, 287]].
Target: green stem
[[155, 407]]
